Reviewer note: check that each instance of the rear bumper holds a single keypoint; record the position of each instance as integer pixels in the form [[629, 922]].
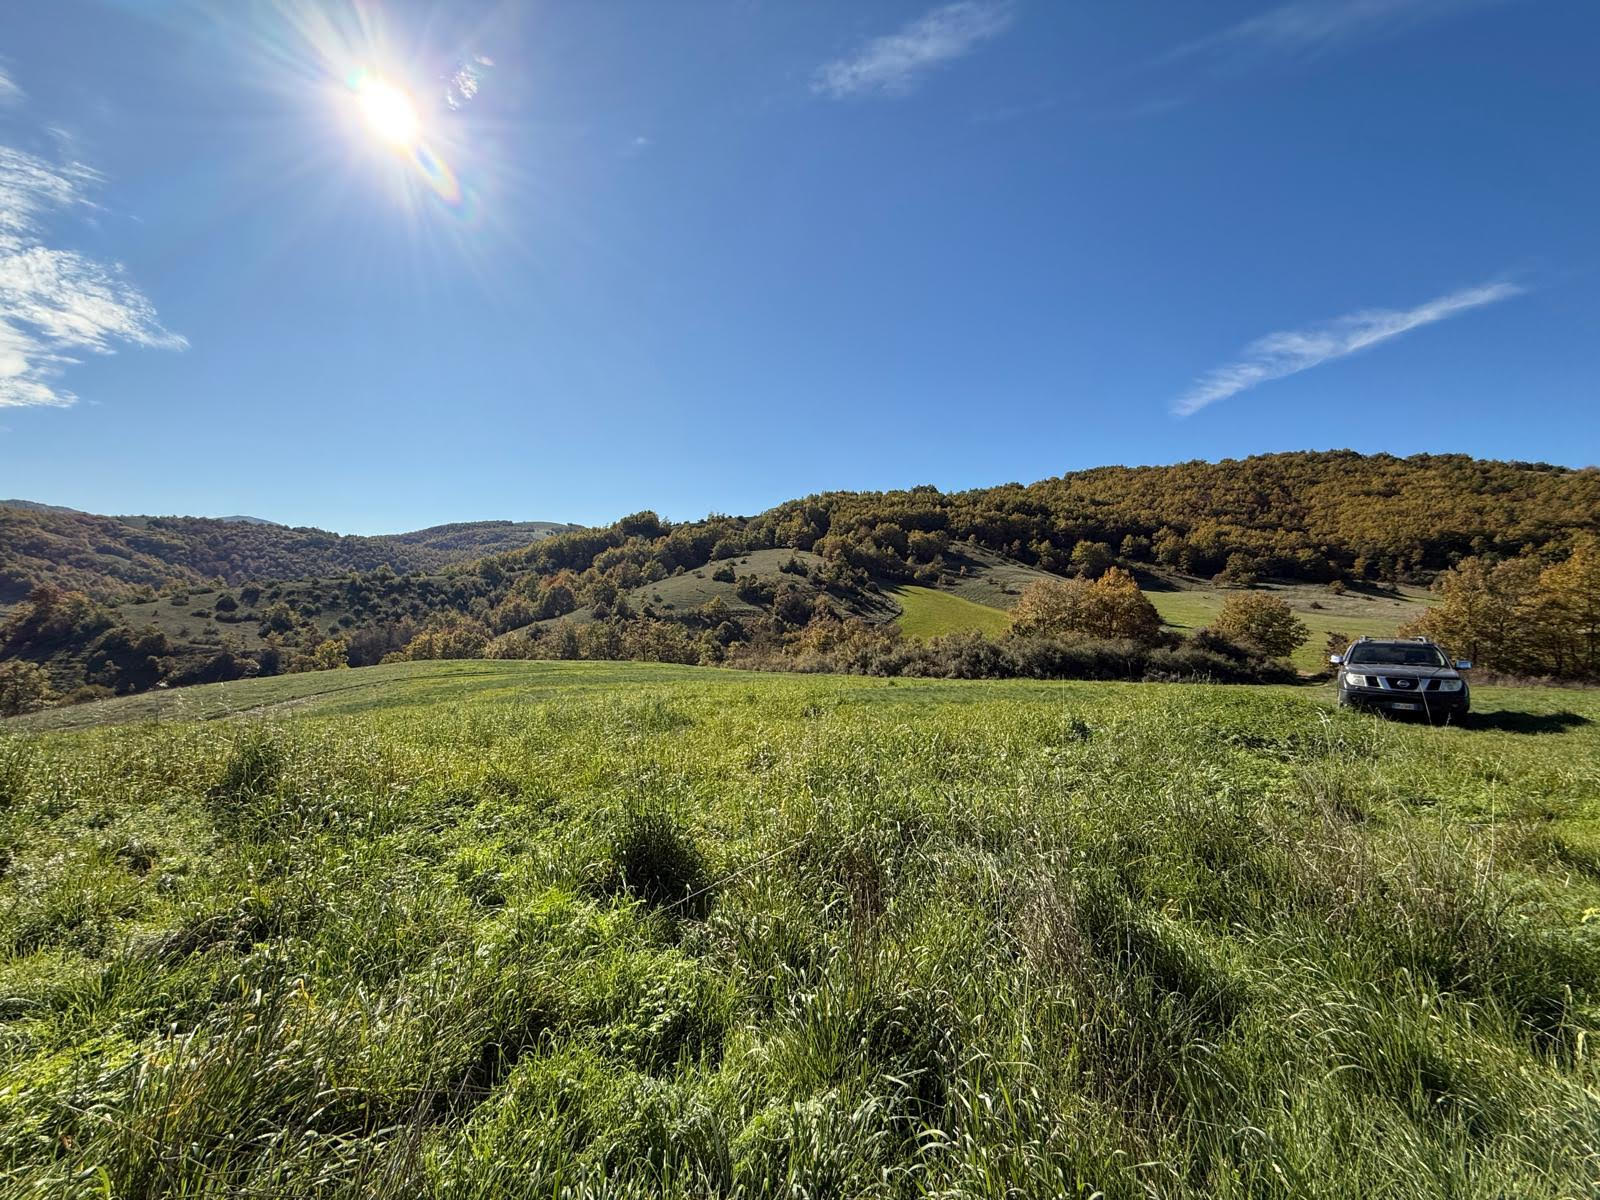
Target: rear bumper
[[1436, 704]]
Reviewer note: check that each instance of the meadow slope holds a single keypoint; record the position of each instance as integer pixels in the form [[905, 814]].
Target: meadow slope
[[534, 929]]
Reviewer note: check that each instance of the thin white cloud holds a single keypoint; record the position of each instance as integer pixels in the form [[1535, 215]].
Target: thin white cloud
[[57, 304], [893, 64], [1281, 354], [465, 82], [1308, 26], [10, 93]]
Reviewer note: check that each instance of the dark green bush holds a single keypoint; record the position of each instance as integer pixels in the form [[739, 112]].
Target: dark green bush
[[657, 860]]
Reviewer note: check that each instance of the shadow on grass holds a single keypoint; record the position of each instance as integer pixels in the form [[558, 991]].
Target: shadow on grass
[[1520, 722], [1149, 581]]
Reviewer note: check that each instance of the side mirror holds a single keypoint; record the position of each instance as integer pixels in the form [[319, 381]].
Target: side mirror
[[1336, 659], [1463, 664]]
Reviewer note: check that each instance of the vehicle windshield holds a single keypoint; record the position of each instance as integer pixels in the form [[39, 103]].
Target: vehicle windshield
[[1396, 654]]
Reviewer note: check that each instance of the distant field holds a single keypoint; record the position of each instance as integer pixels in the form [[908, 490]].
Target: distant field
[[485, 929], [1353, 613], [976, 603], [927, 613]]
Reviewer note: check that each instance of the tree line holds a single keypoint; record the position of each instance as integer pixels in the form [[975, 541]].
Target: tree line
[[1521, 616]]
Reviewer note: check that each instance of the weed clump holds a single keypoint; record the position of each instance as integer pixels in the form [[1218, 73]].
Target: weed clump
[[252, 770], [14, 755], [655, 859]]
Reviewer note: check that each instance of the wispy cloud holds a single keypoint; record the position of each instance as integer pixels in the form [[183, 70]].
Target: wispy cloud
[[1281, 354], [1309, 26], [895, 63], [10, 93], [57, 304], [465, 81]]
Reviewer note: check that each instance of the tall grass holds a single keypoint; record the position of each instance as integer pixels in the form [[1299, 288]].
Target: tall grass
[[802, 937]]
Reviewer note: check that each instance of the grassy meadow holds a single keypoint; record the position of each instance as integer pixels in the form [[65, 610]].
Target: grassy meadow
[[980, 604], [487, 929], [927, 612], [1355, 614]]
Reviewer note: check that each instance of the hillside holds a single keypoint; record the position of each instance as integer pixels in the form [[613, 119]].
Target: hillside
[[112, 558], [1349, 541], [583, 929]]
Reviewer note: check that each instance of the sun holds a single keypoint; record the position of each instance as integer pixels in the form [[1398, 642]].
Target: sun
[[389, 112]]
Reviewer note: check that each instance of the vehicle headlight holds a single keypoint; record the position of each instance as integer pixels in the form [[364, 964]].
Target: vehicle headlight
[[1353, 680], [1449, 685]]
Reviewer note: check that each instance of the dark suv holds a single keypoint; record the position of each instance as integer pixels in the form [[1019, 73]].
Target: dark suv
[[1409, 675]]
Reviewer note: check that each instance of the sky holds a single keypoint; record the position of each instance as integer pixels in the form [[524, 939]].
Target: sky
[[377, 266]]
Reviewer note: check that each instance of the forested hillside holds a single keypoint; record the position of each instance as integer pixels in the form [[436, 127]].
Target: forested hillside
[[810, 582], [111, 558], [1314, 516]]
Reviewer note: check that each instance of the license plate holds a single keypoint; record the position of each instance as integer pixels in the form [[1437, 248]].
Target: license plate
[[1406, 707]]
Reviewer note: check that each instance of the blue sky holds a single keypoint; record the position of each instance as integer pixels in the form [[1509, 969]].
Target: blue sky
[[707, 256]]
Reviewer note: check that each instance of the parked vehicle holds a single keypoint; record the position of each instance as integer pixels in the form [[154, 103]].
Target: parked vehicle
[[1403, 675]]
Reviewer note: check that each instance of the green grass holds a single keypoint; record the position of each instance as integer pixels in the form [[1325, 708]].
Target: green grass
[[679, 594], [926, 613], [490, 929], [1354, 614]]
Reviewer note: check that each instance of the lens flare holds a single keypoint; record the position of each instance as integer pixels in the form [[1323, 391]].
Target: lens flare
[[389, 112], [391, 116]]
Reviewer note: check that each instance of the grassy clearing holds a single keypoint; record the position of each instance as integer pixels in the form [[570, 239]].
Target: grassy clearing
[[608, 929], [926, 613], [1355, 614]]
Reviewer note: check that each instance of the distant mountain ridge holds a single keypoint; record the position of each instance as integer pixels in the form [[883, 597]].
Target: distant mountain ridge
[[35, 506], [110, 557]]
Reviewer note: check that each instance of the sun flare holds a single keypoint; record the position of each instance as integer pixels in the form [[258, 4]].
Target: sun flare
[[388, 111]]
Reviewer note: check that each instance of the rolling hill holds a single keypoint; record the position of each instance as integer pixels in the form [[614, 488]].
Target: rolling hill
[[111, 558], [1349, 541]]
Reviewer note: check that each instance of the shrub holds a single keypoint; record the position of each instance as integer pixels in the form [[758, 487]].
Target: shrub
[[1109, 607], [752, 589], [656, 860], [251, 772], [24, 688], [1263, 621]]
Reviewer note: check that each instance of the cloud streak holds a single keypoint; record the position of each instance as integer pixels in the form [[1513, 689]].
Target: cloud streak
[[895, 63], [57, 304], [10, 93], [466, 80], [1282, 354], [1308, 26]]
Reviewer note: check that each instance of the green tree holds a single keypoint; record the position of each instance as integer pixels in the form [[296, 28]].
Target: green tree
[[1240, 571], [1263, 621], [1090, 559], [330, 655], [448, 636], [24, 688], [278, 619], [557, 600]]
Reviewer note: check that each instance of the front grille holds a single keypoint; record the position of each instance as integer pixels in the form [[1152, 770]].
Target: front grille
[[1402, 683]]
